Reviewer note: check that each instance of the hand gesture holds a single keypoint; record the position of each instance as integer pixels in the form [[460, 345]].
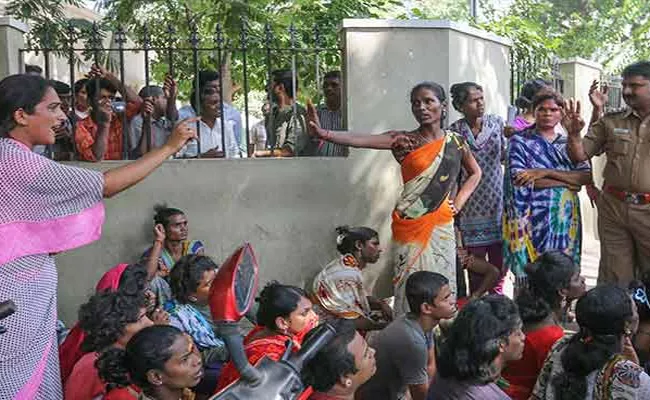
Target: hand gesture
[[593, 192], [147, 107], [97, 71], [61, 131], [159, 233], [183, 131], [170, 89], [160, 317], [528, 176], [572, 121], [314, 123], [597, 97], [104, 111], [508, 131]]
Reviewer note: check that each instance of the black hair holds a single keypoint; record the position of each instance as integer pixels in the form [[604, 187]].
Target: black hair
[[602, 314], [150, 91], [475, 337], [95, 86], [187, 274], [61, 88], [334, 360], [147, 350], [528, 91], [332, 75], [16, 92], [134, 280], [33, 69], [639, 291], [550, 273], [346, 241], [80, 84], [459, 93], [205, 76], [423, 287], [639, 68], [284, 77], [547, 95], [164, 213], [437, 90], [277, 300], [105, 316]]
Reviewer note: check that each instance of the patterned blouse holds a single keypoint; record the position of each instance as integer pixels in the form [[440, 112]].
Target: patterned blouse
[[480, 220]]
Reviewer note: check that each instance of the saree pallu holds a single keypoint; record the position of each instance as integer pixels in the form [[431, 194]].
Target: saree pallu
[[536, 221], [338, 292], [45, 208], [423, 220]]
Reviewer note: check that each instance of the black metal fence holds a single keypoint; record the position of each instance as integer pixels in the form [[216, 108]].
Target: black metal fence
[[614, 87], [302, 52], [525, 66]]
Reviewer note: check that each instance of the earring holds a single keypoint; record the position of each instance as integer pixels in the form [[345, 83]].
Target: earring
[[348, 382]]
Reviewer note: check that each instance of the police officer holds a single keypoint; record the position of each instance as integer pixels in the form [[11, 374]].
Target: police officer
[[624, 204]]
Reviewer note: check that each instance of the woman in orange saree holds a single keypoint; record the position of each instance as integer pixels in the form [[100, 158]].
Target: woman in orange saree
[[430, 159]]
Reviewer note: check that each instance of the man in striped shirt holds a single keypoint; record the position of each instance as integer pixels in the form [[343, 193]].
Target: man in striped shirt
[[329, 115]]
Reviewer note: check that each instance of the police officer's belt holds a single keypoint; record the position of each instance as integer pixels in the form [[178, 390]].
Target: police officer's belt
[[628, 197]]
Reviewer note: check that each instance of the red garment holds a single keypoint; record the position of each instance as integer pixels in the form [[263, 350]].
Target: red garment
[[84, 382], [70, 350], [126, 393], [86, 134], [522, 374], [272, 347]]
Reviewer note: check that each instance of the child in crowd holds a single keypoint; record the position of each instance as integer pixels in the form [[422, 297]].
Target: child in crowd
[[405, 351], [554, 281], [639, 291], [485, 336], [599, 361], [285, 313], [109, 319], [191, 280], [158, 363], [339, 368]]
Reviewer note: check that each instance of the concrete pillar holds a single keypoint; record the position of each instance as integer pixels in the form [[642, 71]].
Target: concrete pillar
[[386, 58], [11, 41], [578, 74]]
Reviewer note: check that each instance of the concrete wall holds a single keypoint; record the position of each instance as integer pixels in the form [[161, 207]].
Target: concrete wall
[[288, 208]]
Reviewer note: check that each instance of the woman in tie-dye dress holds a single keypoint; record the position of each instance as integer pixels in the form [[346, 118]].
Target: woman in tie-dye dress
[[45, 208], [542, 211]]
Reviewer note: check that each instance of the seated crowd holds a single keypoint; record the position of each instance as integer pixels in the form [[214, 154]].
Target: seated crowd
[[108, 116], [130, 344]]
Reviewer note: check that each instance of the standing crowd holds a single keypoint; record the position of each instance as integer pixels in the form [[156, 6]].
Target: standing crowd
[[485, 195]]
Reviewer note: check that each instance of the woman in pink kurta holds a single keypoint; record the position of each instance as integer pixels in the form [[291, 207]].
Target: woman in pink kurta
[[45, 208]]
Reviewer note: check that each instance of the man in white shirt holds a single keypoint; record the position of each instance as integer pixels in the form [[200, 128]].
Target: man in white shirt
[[210, 137]]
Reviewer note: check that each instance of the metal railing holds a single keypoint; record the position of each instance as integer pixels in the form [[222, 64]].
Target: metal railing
[[525, 66], [251, 50]]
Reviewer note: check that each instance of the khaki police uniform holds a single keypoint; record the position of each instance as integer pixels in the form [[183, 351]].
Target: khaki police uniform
[[624, 206]]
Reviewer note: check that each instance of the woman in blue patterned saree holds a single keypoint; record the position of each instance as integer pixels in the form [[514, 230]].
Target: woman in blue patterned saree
[[542, 210]]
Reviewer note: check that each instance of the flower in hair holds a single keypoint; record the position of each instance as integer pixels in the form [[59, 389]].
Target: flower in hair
[[340, 238]]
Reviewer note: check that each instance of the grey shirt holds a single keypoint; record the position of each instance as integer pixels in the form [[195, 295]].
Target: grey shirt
[[401, 355], [160, 131]]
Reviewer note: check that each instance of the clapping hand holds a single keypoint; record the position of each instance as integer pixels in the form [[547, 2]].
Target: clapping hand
[[572, 121]]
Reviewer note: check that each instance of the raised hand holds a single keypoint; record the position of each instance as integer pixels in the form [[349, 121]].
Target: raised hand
[[159, 233], [147, 107], [183, 131], [572, 121], [104, 111], [97, 71], [598, 98], [314, 122], [170, 89]]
